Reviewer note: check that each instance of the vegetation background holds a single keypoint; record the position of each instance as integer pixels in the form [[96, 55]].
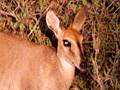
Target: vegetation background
[[101, 31]]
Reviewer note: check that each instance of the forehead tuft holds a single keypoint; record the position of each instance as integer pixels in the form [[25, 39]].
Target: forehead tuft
[[73, 34]]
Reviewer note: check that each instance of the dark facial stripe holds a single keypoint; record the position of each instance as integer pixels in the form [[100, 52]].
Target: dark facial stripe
[[81, 52]]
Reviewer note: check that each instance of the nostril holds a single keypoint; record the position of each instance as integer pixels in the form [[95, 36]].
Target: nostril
[[83, 66]]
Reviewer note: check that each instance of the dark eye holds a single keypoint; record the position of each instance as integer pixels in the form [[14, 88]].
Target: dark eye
[[66, 43]]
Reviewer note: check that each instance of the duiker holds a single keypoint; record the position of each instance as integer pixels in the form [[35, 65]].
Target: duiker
[[27, 66]]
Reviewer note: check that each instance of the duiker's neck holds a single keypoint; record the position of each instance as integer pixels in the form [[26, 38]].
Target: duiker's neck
[[67, 70]]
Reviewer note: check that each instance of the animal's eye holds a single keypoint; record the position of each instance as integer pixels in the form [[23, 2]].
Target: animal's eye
[[66, 43]]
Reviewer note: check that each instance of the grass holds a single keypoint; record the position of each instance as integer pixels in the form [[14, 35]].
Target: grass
[[101, 31]]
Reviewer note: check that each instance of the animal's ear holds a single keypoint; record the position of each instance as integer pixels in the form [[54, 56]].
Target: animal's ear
[[53, 23], [80, 18]]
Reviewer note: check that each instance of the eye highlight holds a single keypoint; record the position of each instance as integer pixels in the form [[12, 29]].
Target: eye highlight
[[66, 43]]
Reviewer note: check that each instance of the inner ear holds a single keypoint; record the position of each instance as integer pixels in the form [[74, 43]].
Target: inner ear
[[53, 23]]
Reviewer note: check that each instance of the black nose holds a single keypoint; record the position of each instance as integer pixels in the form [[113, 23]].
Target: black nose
[[83, 66]]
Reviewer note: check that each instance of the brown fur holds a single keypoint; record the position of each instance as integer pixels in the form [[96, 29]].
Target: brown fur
[[27, 66]]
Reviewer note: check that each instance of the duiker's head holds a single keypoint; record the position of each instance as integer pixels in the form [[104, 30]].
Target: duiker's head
[[69, 40]]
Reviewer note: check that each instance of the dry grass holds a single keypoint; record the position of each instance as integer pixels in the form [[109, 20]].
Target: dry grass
[[101, 32]]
